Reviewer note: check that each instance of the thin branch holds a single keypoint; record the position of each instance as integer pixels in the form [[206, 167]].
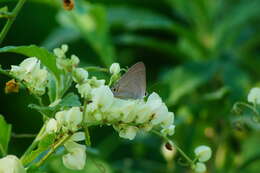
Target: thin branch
[[11, 20]]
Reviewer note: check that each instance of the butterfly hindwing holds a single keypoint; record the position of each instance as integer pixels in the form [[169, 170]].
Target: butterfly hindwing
[[132, 85]]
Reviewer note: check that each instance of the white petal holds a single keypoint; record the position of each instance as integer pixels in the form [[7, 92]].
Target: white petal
[[79, 136], [75, 159], [11, 164], [203, 153], [254, 96], [51, 126], [128, 132]]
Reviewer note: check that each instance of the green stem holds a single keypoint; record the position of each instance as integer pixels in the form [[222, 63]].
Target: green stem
[[53, 149], [33, 145], [14, 135], [252, 108], [10, 21], [176, 146], [93, 68]]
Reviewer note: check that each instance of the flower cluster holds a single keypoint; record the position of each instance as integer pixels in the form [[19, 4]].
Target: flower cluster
[[100, 107], [127, 116], [203, 154], [33, 76], [68, 121], [62, 61]]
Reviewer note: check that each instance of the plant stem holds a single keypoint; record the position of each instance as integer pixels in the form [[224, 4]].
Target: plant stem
[[52, 150], [93, 68], [176, 146], [10, 20], [14, 135], [33, 145]]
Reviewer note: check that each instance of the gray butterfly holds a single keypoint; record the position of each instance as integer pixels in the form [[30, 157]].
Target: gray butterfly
[[132, 85]]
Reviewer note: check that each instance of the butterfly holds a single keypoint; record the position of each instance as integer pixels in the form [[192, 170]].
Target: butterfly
[[132, 85]]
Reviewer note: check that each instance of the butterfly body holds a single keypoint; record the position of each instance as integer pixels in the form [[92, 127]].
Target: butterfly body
[[132, 85]]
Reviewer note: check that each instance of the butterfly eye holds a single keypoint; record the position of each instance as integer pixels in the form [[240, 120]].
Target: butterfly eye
[[146, 94], [114, 89]]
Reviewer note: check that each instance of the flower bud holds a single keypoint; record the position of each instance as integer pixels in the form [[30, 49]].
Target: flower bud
[[51, 126], [59, 53], [128, 132], [168, 154], [69, 119], [76, 158], [11, 164], [80, 75], [74, 60], [200, 167], [254, 96], [169, 131], [64, 48], [114, 68], [203, 153]]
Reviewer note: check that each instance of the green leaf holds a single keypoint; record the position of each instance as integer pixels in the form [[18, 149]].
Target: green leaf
[[137, 18], [43, 145], [70, 100], [5, 134], [47, 58], [51, 88], [87, 135], [149, 42], [185, 79]]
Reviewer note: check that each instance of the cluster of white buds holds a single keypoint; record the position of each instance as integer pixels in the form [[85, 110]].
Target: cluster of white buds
[[254, 96], [203, 154], [33, 76], [64, 63]]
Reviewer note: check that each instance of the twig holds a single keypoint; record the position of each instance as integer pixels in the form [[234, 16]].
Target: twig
[[10, 20]]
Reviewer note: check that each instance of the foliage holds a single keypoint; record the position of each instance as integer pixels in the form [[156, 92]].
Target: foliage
[[201, 56]]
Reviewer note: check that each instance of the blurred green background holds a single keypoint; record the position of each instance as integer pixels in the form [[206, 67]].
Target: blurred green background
[[201, 56]]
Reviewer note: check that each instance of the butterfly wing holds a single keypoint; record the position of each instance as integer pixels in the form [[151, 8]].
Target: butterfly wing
[[132, 84]]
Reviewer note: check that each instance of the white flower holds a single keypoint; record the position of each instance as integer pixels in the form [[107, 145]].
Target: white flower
[[84, 90], [28, 65], [169, 131], [51, 126], [128, 132], [121, 110], [168, 121], [114, 68], [80, 75], [102, 97], [203, 153], [69, 119], [76, 158], [11, 164], [200, 167], [30, 72], [74, 60], [254, 96], [159, 111], [79, 136], [64, 48]]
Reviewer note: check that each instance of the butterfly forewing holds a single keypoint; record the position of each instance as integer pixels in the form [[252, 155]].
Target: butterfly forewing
[[132, 84]]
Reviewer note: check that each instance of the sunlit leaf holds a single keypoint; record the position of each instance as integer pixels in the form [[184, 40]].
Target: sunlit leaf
[[5, 134]]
